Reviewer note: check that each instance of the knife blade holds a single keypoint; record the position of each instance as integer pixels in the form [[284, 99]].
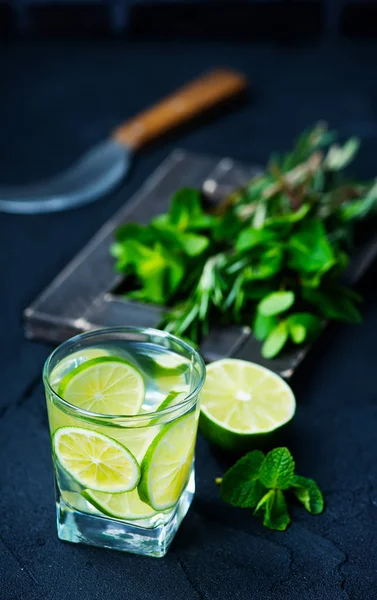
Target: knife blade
[[106, 164]]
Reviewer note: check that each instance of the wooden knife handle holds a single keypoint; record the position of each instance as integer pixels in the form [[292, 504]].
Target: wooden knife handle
[[189, 101]]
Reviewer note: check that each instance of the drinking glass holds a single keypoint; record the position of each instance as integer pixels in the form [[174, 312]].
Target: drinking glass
[[160, 437]]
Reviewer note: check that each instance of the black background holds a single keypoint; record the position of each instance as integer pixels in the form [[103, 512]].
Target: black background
[[59, 97], [219, 18]]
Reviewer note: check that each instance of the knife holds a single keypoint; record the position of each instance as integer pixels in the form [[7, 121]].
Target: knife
[[105, 165]]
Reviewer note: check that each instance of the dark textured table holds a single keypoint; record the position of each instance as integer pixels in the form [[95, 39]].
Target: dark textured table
[[58, 98]]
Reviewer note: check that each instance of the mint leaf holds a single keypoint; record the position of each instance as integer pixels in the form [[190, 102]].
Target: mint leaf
[[309, 249], [275, 510], [158, 270], [297, 333], [240, 485], [167, 236], [227, 227], [277, 469], [249, 238], [269, 264], [135, 243], [302, 326], [276, 303], [246, 496], [275, 340], [193, 244], [161, 221], [185, 207], [134, 231], [203, 221], [263, 326], [308, 493]]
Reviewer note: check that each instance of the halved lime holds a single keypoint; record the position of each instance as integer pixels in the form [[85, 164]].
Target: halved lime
[[107, 385], [95, 460], [72, 361], [241, 400], [167, 463], [120, 506]]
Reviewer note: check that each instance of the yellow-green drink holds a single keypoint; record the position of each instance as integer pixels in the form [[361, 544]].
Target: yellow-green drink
[[123, 407]]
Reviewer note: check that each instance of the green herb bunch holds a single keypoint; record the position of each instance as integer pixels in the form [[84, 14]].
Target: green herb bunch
[[271, 256], [260, 482]]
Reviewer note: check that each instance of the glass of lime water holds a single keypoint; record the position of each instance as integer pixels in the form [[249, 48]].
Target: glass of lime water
[[123, 408]]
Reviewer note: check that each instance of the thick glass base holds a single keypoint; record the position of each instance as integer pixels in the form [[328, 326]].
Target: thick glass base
[[147, 537]]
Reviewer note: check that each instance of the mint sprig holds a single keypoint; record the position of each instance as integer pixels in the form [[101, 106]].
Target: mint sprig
[[271, 256], [259, 481]]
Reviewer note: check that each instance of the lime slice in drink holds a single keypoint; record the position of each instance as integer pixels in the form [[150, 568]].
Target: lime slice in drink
[[106, 385], [167, 463], [120, 506], [171, 362], [241, 402], [95, 460], [174, 397], [170, 371], [72, 361]]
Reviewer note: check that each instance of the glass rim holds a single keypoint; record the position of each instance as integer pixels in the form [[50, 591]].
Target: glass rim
[[138, 417]]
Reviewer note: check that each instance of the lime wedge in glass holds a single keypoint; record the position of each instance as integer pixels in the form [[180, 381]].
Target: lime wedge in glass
[[174, 397], [72, 361], [167, 464], [169, 371], [172, 362], [95, 460], [120, 506], [242, 401], [106, 385]]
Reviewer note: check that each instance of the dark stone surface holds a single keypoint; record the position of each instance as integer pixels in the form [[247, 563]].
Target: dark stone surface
[[57, 99]]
